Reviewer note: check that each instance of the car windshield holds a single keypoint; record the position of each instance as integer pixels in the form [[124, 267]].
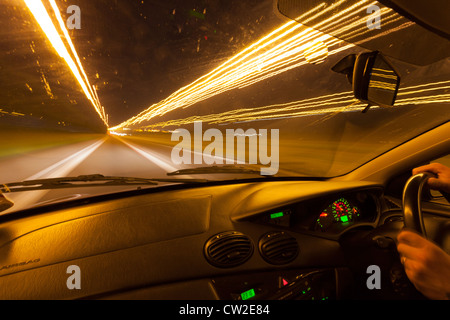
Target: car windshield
[[143, 88]]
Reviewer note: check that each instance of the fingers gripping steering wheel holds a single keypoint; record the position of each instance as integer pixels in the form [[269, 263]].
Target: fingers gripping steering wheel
[[412, 209]]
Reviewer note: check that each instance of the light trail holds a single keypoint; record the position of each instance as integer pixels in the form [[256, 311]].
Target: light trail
[[12, 113], [279, 51], [326, 104], [60, 169], [37, 8], [93, 92], [150, 155]]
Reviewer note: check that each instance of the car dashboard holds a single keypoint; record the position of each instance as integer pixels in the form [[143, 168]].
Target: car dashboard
[[231, 241]]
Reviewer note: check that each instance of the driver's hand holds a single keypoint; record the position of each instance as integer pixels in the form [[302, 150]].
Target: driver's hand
[[442, 182], [426, 265]]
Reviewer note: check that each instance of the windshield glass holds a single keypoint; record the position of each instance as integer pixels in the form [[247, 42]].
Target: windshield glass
[[148, 87]]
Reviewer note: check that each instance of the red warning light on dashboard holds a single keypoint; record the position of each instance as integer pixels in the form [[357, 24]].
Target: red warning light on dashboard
[[282, 282]]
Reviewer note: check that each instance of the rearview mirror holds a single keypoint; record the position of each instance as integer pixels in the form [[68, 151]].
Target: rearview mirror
[[375, 81]]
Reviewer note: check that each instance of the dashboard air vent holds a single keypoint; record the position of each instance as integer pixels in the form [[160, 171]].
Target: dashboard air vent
[[228, 249], [278, 247]]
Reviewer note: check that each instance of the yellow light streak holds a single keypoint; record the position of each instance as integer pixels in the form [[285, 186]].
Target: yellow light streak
[[245, 72], [11, 113], [44, 20], [387, 76], [327, 104], [232, 74], [28, 87], [357, 29], [438, 86], [93, 92], [47, 86], [277, 52], [340, 19]]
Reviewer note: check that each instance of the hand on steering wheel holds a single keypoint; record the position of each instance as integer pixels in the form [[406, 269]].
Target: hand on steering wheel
[[426, 265]]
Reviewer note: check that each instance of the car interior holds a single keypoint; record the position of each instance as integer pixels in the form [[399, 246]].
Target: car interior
[[264, 238], [271, 237]]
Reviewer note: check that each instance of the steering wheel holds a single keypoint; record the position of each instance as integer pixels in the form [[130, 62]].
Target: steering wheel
[[384, 253], [412, 209]]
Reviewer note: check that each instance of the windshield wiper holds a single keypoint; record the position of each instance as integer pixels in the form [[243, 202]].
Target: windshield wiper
[[215, 169], [93, 180]]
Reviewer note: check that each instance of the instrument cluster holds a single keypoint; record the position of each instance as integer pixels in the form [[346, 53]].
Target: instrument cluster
[[330, 215]]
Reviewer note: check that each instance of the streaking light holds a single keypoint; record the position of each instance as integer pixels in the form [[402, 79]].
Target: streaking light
[[279, 51], [328, 104], [316, 53], [41, 15]]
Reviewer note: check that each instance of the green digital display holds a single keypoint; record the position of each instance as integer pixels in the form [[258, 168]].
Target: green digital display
[[248, 294], [276, 215]]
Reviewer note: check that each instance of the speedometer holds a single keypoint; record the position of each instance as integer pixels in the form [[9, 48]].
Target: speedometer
[[342, 212], [338, 214]]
